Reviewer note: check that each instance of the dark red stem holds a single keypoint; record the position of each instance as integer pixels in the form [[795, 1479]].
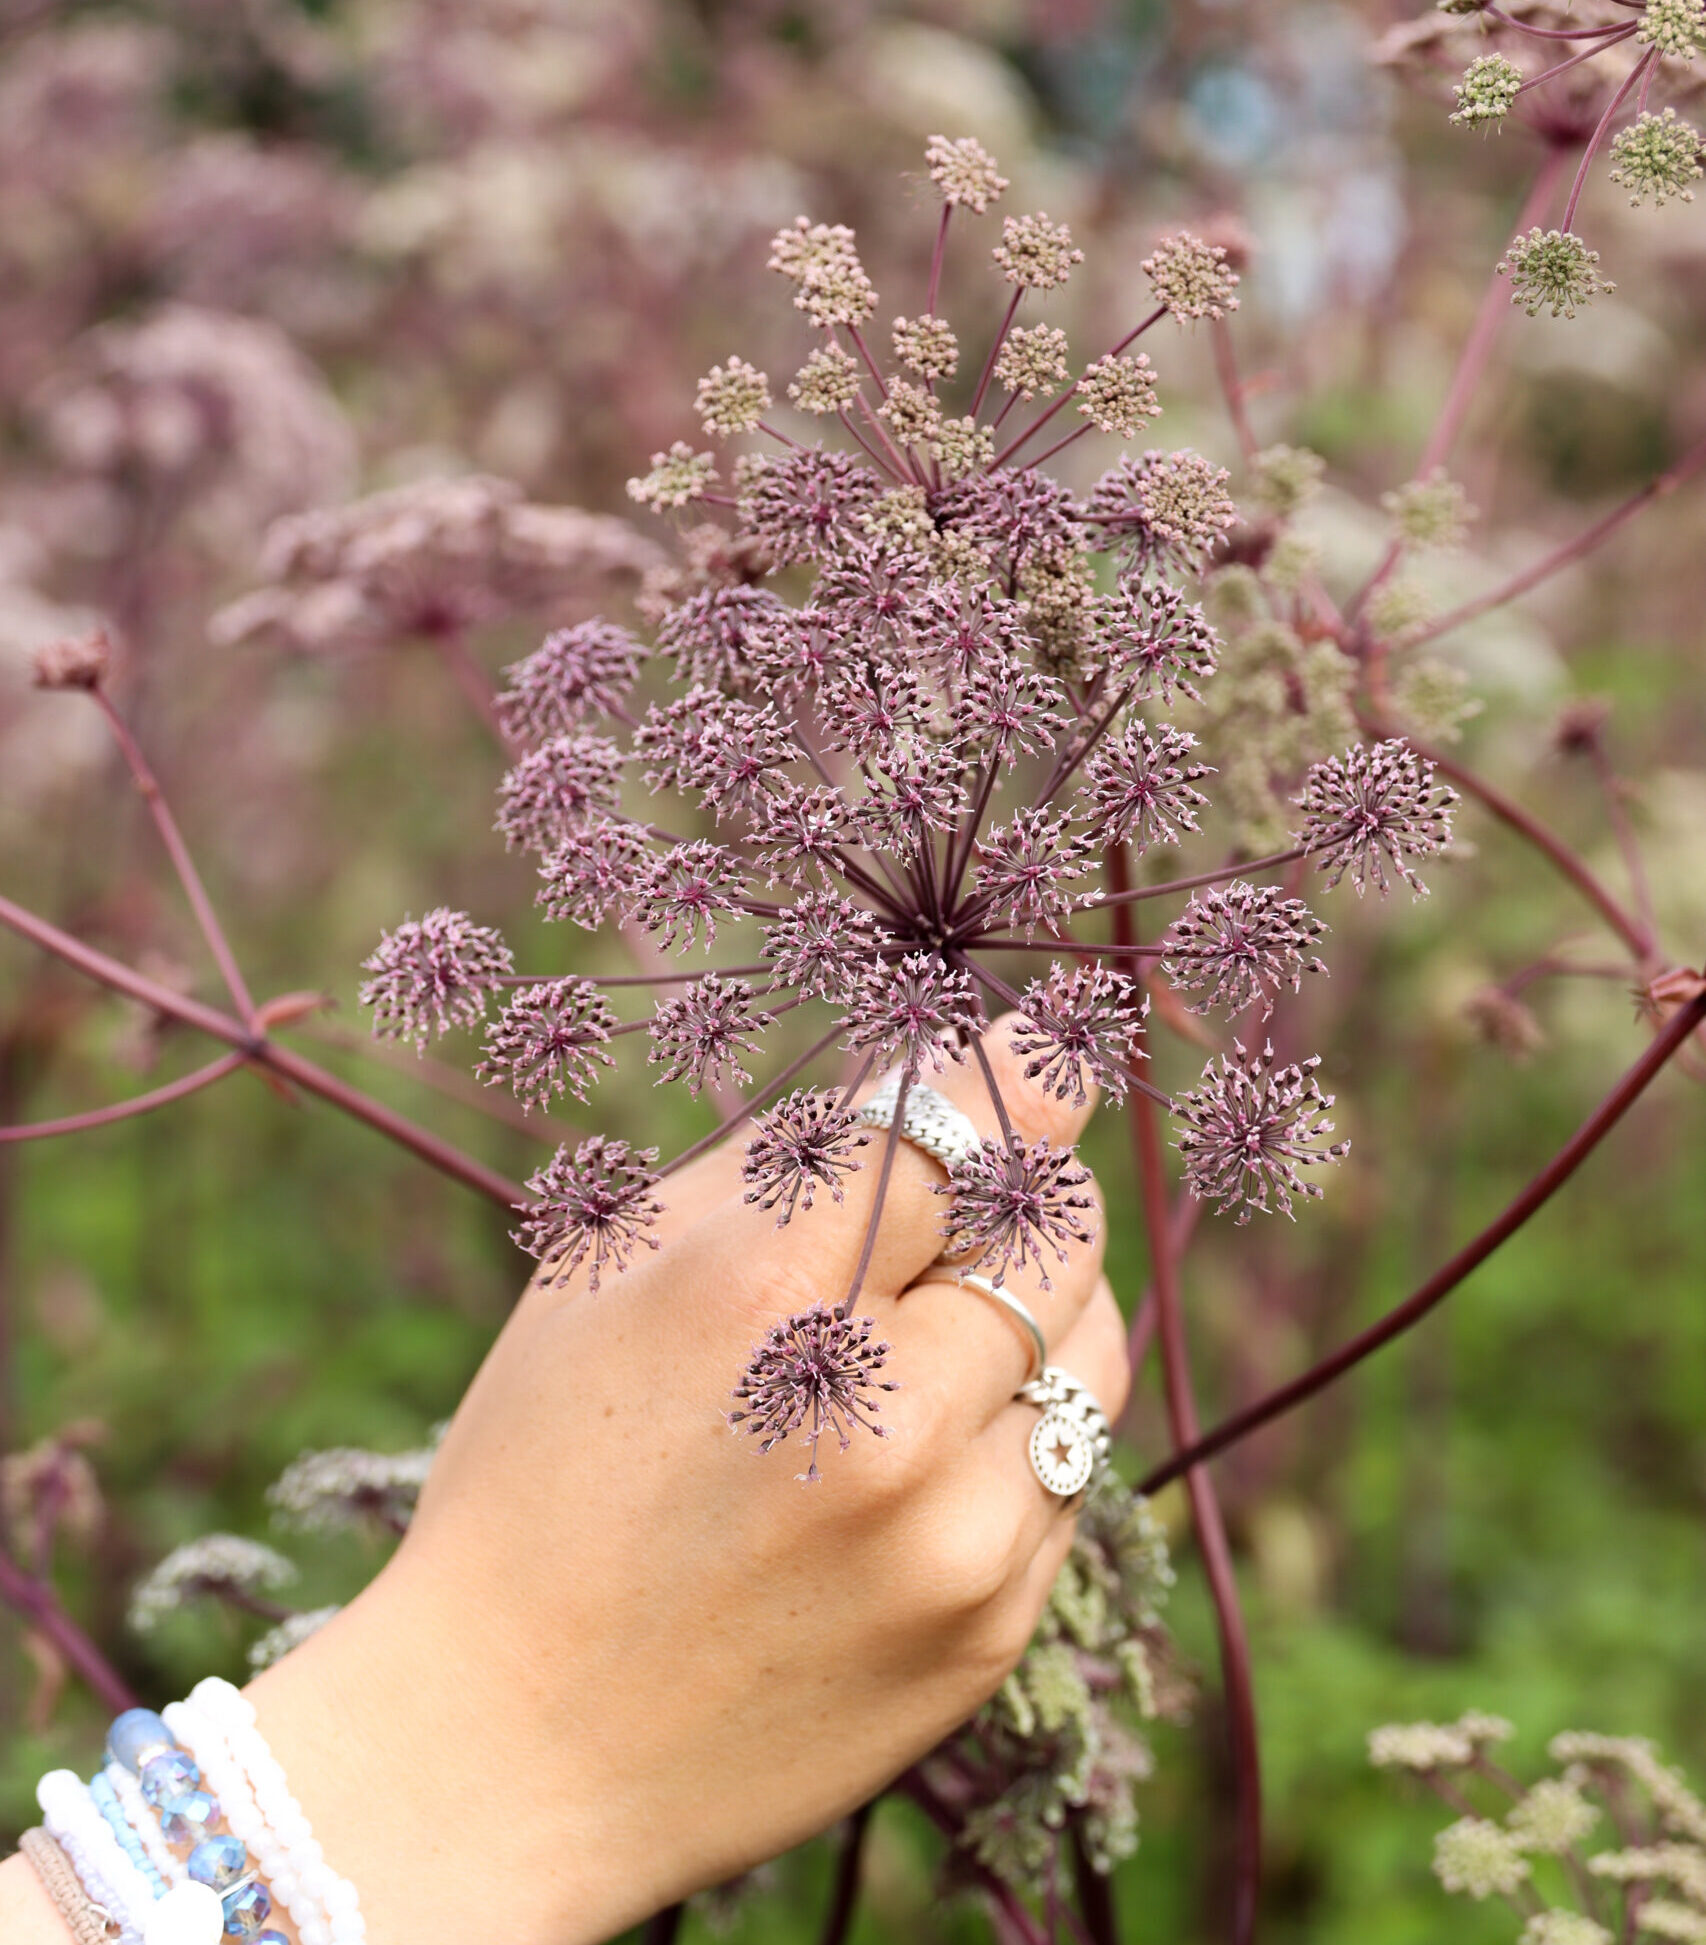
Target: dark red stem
[[159, 1097], [37, 1604]]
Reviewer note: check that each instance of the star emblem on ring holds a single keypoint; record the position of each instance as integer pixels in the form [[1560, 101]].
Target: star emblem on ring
[[1063, 1454]]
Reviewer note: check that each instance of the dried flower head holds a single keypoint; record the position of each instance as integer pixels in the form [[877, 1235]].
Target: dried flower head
[[1552, 1818], [215, 1564], [827, 382], [926, 345], [346, 1488], [1374, 807], [732, 398], [677, 477], [1242, 943], [1171, 509], [1286, 478], [1014, 1204], [574, 673], [549, 1039], [1488, 90], [1033, 361], [1675, 27], [1431, 512], [597, 1203], [432, 974], [1081, 1028], [801, 1143], [1034, 253], [815, 1369], [1118, 394], [1249, 1126], [1474, 1855], [1139, 787], [73, 662], [288, 1634], [1191, 278], [965, 172], [1553, 269], [1657, 156]]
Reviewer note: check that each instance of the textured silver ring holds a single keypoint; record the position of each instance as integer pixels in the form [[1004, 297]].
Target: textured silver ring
[[931, 1122], [1071, 1441], [1010, 1303]]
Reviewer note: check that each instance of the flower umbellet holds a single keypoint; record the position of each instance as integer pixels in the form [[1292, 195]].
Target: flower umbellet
[[876, 761]]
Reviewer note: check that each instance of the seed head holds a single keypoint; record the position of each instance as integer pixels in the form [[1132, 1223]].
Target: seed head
[[1286, 478], [965, 173], [1476, 1856], [432, 974], [814, 1366], [801, 1143], [677, 477], [914, 1009], [1553, 269], [1171, 508], [732, 398], [1191, 277], [575, 672], [547, 1039], [558, 789], [1033, 361], [1431, 512], [1081, 1027], [1371, 808], [1249, 1126], [689, 886], [926, 345], [1034, 253], [1118, 394], [1015, 1203], [701, 1034], [1674, 27], [1242, 943], [1138, 787], [827, 382], [1657, 156], [1488, 90], [597, 1203], [73, 662]]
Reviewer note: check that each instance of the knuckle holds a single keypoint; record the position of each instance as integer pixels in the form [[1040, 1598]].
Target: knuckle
[[965, 1563]]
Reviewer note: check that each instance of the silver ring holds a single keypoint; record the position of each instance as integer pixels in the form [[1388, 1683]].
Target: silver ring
[[931, 1123], [1071, 1441], [1008, 1302]]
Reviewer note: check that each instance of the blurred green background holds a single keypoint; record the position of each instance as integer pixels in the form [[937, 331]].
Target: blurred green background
[[510, 236]]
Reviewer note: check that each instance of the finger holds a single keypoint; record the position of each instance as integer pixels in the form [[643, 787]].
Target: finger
[[960, 1337], [1094, 1352]]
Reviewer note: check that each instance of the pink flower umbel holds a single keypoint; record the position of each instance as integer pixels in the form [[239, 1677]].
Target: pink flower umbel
[[815, 1370]]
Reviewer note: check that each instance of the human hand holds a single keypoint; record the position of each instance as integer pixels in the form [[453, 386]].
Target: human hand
[[620, 1655]]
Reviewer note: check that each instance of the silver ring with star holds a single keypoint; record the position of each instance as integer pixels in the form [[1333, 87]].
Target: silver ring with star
[[1071, 1441]]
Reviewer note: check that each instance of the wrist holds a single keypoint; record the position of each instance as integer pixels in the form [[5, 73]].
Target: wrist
[[433, 1783]]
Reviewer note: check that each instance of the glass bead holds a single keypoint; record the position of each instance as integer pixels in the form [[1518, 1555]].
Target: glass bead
[[218, 1861], [170, 1773], [188, 1818], [247, 1910], [270, 1938], [134, 1735]]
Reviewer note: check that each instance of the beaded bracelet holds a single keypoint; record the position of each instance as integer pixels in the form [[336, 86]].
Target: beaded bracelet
[[87, 1922], [110, 1878], [324, 1906], [145, 1821], [105, 1799]]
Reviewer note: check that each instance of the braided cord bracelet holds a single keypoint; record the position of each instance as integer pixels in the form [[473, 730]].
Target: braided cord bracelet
[[86, 1921]]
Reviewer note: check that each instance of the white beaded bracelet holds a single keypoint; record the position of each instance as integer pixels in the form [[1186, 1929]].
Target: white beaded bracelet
[[325, 1906], [145, 1821], [109, 1877], [223, 1777]]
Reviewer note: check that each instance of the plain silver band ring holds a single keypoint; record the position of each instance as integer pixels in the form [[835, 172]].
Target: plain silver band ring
[[1009, 1303], [932, 1122]]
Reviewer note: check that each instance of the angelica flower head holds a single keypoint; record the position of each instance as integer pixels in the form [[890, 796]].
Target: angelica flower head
[[432, 974], [815, 1371], [1657, 156], [1191, 278], [1675, 27], [1475, 1856], [965, 172], [1552, 270], [215, 1563], [1488, 89]]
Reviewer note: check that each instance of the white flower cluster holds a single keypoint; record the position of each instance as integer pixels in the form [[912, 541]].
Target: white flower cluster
[[202, 1567]]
